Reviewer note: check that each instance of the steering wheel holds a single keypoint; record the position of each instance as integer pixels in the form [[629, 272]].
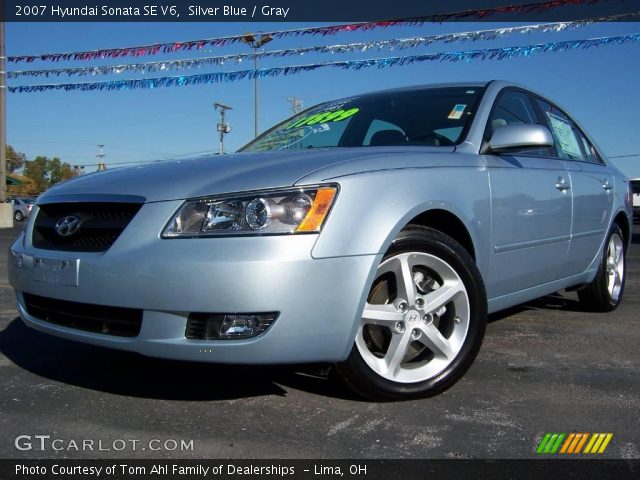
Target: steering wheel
[[435, 139]]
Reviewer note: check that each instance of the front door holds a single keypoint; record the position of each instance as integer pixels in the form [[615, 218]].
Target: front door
[[531, 207]]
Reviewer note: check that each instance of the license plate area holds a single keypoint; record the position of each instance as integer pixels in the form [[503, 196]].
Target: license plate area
[[56, 271]]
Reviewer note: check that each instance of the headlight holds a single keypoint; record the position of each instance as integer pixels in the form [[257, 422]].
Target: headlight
[[299, 210]]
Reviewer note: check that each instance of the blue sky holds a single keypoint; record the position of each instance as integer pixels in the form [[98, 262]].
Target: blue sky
[[598, 86]]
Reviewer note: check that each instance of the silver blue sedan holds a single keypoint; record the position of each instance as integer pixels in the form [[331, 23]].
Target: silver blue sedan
[[374, 233]]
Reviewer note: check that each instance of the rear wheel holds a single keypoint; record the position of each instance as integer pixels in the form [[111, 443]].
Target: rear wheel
[[18, 216], [423, 322], [604, 293]]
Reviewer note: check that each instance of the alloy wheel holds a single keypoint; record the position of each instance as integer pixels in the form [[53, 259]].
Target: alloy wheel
[[415, 320], [615, 266]]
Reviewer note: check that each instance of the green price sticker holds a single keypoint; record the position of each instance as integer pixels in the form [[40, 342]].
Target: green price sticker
[[324, 117]]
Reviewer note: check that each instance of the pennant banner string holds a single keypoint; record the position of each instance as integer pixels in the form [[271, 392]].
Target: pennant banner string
[[147, 50], [401, 44], [218, 77]]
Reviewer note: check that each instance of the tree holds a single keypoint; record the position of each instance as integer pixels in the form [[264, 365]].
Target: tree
[[36, 171], [15, 160], [59, 171], [41, 173], [26, 187]]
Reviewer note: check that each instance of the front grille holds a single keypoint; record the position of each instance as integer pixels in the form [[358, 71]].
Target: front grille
[[118, 321], [100, 224]]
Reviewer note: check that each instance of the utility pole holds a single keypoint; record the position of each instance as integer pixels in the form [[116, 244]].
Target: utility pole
[[223, 127], [255, 43], [6, 209], [101, 155], [296, 104], [3, 116]]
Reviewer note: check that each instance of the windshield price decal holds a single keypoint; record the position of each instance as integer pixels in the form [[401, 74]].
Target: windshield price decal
[[330, 116]]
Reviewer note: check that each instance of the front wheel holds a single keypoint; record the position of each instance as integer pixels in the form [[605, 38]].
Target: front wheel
[[18, 216], [604, 293], [423, 321]]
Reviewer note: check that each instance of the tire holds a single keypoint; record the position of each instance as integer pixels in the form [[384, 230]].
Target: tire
[[604, 293], [18, 216], [420, 345]]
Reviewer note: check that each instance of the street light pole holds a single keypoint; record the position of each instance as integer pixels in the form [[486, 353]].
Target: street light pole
[[255, 43]]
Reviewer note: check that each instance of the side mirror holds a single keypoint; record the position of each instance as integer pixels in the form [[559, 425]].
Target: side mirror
[[524, 136]]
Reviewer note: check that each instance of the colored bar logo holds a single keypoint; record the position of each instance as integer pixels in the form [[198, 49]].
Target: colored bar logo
[[574, 443]]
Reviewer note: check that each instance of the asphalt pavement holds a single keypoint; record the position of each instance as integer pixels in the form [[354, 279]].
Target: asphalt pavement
[[544, 367]]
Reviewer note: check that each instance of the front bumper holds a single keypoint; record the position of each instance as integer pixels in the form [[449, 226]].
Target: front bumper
[[319, 300]]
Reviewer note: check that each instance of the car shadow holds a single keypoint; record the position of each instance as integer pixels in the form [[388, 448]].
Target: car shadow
[[554, 301], [130, 374]]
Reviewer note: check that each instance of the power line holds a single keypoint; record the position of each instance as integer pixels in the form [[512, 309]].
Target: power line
[[625, 156]]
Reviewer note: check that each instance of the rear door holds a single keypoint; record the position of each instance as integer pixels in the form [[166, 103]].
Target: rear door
[[592, 184], [531, 206]]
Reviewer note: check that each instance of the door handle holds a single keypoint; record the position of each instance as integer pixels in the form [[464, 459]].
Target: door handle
[[606, 185], [562, 184]]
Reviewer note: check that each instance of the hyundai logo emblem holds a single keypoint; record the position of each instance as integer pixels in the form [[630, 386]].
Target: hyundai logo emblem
[[67, 226]]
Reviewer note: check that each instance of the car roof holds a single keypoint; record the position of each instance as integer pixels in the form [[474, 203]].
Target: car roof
[[416, 88], [428, 87]]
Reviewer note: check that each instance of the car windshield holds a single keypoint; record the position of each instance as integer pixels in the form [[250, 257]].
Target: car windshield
[[28, 201], [427, 117]]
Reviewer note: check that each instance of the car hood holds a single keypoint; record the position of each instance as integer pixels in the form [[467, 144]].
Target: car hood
[[219, 174]]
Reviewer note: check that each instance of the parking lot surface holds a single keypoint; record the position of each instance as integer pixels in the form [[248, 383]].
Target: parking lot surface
[[544, 367]]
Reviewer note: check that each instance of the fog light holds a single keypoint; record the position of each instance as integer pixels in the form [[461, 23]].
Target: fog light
[[239, 325], [230, 326]]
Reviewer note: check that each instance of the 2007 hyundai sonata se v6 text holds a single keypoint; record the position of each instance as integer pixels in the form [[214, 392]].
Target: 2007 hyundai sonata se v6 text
[[374, 233]]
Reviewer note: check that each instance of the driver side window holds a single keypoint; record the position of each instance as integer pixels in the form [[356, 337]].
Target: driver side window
[[514, 108]]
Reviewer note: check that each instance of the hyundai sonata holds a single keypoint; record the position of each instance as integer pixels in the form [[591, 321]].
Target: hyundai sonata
[[374, 233]]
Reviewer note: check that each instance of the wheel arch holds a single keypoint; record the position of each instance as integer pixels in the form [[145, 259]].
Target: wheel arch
[[622, 220], [448, 223]]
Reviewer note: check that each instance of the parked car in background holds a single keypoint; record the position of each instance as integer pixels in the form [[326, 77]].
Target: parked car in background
[[635, 183], [22, 207], [375, 233]]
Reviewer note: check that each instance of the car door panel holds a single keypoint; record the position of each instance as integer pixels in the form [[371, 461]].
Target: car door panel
[[531, 205], [592, 186], [531, 219]]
